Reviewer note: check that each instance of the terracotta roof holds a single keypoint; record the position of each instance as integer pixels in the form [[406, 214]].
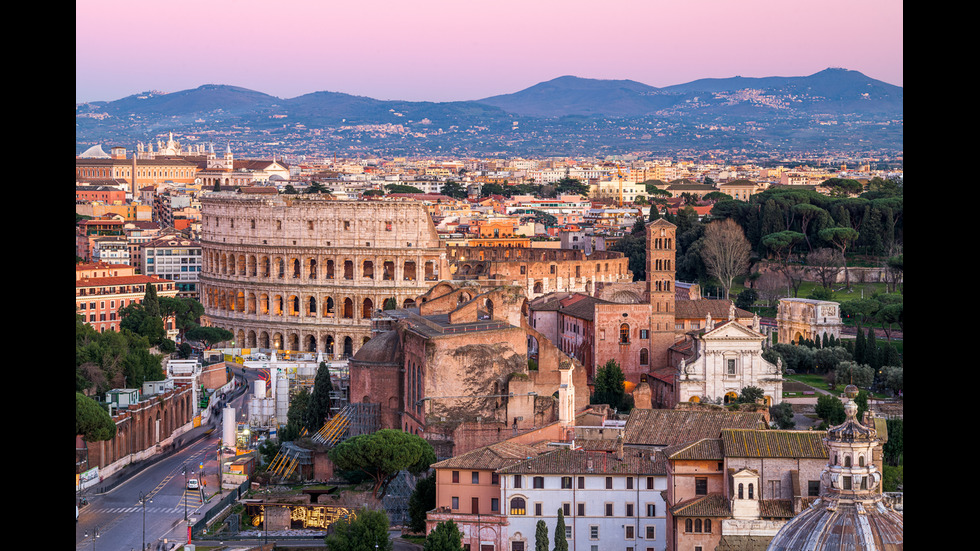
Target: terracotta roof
[[711, 505], [708, 449], [121, 280], [668, 427], [799, 444], [776, 508], [492, 457], [699, 309], [568, 461]]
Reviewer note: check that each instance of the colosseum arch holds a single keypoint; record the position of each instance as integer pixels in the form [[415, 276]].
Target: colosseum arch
[[367, 307], [250, 340]]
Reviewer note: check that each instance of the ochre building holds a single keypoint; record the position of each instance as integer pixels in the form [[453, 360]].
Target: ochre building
[[304, 272]]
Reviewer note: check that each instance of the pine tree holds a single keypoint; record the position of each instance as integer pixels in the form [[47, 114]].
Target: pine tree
[[561, 544]]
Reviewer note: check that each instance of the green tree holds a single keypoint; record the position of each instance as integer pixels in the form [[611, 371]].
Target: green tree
[[92, 422], [780, 245], [570, 186], [541, 537], [422, 500], [782, 415], [208, 336], [368, 531], [454, 190], [892, 451], [382, 455], [608, 387], [830, 409], [561, 542], [852, 373], [150, 301], [446, 536], [294, 416], [319, 407], [893, 378], [750, 394]]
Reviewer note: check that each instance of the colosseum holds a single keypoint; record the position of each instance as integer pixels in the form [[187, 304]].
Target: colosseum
[[305, 272]]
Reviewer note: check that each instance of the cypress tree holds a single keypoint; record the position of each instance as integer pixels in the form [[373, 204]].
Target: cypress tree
[[541, 536], [151, 304], [871, 351], [859, 346], [561, 544]]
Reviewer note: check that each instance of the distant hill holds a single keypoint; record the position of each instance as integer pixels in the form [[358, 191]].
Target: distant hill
[[834, 109]]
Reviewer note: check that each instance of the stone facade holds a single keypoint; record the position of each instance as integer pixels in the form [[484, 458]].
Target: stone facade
[[540, 271], [807, 318], [727, 358], [307, 272]]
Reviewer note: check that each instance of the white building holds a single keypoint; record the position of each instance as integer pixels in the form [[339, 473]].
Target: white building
[[728, 358], [609, 501]]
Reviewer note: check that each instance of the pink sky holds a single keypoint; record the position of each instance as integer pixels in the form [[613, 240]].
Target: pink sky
[[447, 50]]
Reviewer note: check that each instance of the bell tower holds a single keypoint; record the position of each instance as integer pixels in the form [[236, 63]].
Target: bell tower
[[661, 252]]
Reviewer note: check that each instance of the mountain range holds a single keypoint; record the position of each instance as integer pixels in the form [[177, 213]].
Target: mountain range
[[832, 109]]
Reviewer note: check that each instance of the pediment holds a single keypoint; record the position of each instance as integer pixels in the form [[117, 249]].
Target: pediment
[[732, 330]]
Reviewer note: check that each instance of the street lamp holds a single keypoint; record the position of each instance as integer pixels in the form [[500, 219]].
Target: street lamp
[[95, 536], [142, 500]]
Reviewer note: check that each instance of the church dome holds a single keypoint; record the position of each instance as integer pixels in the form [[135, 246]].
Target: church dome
[[94, 152], [383, 348], [851, 512]]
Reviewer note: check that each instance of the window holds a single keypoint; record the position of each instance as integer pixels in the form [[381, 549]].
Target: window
[[701, 486], [494, 504], [629, 532], [475, 478], [455, 503], [609, 509], [651, 509], [629, 509], [566, 509], [538, 482], [494, 478], [649, 483], [813, 488], [629, 482], [651, 533], [644, 333], [731, 367], [455, 477], [624, 334], [537, 509], [517, 481], [517, 506], [568, 532], [593, 532], [609, 483], [566, 482], [581, 483], [581, 509]]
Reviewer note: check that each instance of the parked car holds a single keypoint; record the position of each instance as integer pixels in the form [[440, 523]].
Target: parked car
[[193, 484]]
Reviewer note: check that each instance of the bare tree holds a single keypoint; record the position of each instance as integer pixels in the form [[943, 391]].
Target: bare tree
[[826, 264], [725, 251], [770, 285]]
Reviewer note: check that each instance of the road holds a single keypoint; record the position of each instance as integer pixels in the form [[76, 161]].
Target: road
[[118, 520]]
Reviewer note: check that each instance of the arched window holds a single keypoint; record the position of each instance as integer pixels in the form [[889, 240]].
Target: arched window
[[860, 460], [624, 334], [697, 525], [644, 356], [707, 525], [847, 460], [751, 487], [688, 525], [518, 506], [740, 488]]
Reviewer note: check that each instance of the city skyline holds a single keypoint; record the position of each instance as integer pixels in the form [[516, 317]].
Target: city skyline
[[438, 50]]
